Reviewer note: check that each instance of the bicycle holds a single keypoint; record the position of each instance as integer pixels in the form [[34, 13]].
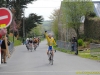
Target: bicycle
[[35, 46], [27, 46], [50, 57], [30, 47]]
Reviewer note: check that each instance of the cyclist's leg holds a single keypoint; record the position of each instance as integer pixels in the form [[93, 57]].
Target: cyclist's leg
[[49, 48], [27, 46], [35, 45], [31, 45], [52, 50], [52, 53], [38, 43], [47, 51]]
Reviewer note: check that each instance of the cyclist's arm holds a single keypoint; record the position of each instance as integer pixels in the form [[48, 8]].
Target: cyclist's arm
[[47, 37], [54, 42]]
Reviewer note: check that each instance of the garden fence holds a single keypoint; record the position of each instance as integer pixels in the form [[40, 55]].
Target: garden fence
[[11, 47], [64, 45]]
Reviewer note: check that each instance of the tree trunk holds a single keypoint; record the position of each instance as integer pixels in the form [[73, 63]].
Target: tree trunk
[[77, 32]]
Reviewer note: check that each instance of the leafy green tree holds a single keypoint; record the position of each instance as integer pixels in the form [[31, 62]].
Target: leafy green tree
[[37, 31], [2, 3], [74, 10], [30, 22], [54, 17], [18, 6]]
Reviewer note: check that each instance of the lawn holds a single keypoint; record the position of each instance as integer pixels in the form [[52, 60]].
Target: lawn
[[16, 42], [83, 54]]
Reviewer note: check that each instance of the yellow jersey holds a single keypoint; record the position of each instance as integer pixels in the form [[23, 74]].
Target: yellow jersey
[[51, 41]]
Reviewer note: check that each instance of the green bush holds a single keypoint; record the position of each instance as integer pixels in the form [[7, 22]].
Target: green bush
[[80, 42], [92, 14], [90, 40], [84, 45]]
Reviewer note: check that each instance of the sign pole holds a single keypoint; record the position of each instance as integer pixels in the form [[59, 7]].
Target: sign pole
[[0, 55]]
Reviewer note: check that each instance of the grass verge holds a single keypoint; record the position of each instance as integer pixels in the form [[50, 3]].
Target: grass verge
[[16, 42], [83, 54]]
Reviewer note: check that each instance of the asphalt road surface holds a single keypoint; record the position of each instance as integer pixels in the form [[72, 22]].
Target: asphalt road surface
[[24, 62]]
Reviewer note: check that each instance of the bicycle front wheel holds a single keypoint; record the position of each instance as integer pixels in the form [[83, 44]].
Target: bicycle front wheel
[[51, 60]]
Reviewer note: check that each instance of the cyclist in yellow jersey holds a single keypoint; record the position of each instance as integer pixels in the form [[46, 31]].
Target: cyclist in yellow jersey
[[51, 42]]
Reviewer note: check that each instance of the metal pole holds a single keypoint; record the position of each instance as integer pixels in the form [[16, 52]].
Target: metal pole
[[23, 24], [67, 33], [13, 26], [13, 32], [23, 28]]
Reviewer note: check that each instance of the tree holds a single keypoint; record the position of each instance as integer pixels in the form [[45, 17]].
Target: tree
[[2, 3], [18, 7], [37, 31], [30, 22], [54, 18], [75, 10]]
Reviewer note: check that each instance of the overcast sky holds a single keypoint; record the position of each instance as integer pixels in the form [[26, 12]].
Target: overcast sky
[[44, 7]]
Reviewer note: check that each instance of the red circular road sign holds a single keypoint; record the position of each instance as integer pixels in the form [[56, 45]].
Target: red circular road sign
[[5, 17]]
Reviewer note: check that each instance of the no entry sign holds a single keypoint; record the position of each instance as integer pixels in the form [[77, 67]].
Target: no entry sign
[[5, 17]]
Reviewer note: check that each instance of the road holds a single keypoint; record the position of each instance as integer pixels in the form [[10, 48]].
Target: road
[[23, 62]]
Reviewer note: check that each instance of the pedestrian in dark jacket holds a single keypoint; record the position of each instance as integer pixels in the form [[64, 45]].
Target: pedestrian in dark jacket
[[74, 43], [4, 49]]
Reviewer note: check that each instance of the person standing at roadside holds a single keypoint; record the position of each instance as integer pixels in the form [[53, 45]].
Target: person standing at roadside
[[4, 49], [74, 45], [0, 46]]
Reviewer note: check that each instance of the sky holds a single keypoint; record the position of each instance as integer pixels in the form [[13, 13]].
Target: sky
[[43, 7]]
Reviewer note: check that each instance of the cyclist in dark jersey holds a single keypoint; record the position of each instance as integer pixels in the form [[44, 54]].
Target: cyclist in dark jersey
[[30, 42]]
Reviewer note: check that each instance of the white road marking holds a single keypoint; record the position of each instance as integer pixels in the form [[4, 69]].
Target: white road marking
[[37, 71], [53, 71], [3, 17]]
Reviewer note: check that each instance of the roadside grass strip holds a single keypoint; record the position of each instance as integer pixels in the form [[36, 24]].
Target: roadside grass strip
[[83, 54]]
